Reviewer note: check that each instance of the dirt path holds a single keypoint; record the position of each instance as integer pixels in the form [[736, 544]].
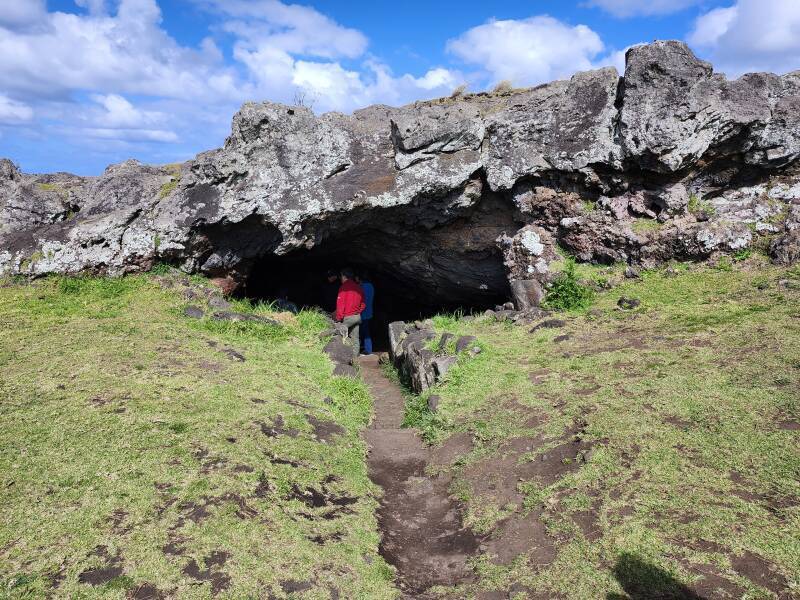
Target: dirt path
[[421, 527]]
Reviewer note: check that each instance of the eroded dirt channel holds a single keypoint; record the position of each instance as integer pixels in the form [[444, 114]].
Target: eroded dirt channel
[[422, 533]]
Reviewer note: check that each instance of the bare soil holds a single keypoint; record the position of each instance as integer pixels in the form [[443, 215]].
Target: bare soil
[[423, 535]]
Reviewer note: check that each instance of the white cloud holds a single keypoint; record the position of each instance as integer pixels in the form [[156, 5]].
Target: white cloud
[[644, 8], [126, 53], [712, 26], [131, 135], [751, 35], [290, 49], [21, 13], [289, 27], [95, 7], [278, 76], [12, 112], [122, 120], [615, 59], [528, 51]]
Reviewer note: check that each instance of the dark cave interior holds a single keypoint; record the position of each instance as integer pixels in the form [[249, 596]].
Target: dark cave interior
[[410, 282]]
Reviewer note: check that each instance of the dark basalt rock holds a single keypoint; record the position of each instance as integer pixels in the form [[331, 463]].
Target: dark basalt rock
[[193, 312], [548, 324], [464, 342], [631, 273], [456, 202], [342, 354], [628, 303]]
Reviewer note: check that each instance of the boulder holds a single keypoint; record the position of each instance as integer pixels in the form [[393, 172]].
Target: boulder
[[397, 332], [527, 293], [786, 249], [342, 355], [442, 364]]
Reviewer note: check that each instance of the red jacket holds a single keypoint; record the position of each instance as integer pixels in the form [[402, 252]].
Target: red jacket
[[350, 300]]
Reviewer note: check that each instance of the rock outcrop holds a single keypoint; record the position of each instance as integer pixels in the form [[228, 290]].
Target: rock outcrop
[[420, 363], [464, 198]]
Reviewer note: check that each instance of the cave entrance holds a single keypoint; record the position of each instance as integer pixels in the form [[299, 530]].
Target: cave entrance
[[414, 278]]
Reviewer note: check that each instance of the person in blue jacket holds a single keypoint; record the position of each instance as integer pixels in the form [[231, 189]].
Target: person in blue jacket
[[365, 281]]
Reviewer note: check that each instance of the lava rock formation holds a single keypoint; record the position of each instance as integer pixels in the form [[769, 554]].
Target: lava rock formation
[[457, 199]]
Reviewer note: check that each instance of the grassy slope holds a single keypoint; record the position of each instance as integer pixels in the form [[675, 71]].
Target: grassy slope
[[691, 402], [125, 425]]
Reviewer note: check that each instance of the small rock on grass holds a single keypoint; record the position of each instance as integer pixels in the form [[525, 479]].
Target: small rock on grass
[[343, 370], [233, 354], [464, 342], [631, 273], [788, 284], [227, 315], [193, 312], [219, 303], [626, 303], [433, 403], [548, 324]]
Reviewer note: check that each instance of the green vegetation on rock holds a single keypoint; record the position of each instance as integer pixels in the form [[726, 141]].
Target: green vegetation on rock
[[697, 206], [55, 188], [643, 225], [166, 189], [566, 292]]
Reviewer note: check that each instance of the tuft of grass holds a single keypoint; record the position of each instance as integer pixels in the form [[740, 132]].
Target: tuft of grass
[[697, 206], [503, 87], [161, 268], [55, 188], [459, 91], [566, 293], [644, 225], [743, 254], [170, 186]]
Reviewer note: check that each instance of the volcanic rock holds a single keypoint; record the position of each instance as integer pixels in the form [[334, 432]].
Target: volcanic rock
[[456, 201]]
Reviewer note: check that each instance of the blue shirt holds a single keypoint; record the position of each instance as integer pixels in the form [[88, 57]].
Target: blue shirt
[[369, 296]]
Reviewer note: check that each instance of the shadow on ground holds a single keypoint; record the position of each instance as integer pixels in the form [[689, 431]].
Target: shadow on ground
[[644, 581]]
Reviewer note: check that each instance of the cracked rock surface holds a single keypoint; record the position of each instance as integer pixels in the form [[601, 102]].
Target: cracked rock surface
[[466, 196]]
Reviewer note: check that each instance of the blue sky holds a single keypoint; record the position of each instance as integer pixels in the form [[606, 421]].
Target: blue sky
[[87, 83]]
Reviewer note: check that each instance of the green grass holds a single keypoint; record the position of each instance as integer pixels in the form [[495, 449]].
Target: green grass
[[643, 225], [679, 398], [696, 206], [166, 189], [55, 188], [113, 402], [566, 293]]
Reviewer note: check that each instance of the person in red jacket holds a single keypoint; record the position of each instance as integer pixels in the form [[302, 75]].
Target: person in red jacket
[[349, 305]]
